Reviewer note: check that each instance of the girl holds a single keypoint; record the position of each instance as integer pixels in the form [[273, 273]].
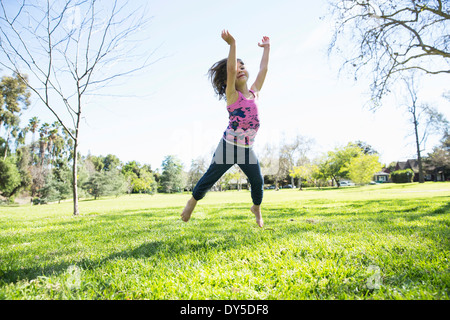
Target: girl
[[229, 78]]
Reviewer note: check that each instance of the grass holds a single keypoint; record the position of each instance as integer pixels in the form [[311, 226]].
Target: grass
[[374, 242]]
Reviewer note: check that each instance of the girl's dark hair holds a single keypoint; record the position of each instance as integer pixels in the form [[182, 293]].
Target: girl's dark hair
[[218, 76]]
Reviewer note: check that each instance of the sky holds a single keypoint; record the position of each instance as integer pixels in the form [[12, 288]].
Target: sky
[[170, 108]]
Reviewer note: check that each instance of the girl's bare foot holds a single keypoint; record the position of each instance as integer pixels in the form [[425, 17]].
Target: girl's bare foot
[[186, 214], [257, 212]]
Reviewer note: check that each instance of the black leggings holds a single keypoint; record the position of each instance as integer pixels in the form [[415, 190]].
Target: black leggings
[[225, 156]]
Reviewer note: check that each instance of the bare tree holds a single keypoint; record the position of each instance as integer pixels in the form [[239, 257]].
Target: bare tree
[[390, 37], [294, 152], [69, 48], [269, 161], [198, 168], [426, 121]]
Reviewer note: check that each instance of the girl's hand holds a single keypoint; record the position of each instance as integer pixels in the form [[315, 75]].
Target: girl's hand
[[265, 42], [228, 37]]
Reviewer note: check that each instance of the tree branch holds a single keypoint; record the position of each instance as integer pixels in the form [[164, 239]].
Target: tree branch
[[388, 36]]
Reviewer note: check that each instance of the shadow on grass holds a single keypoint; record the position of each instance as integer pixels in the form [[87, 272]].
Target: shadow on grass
[[165, 235], [176, 247], [160, 232]]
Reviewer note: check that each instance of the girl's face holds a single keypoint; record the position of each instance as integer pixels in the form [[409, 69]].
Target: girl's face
[[242, 73]]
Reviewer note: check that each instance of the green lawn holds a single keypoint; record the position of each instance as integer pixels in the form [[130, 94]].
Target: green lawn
[[375, 242]]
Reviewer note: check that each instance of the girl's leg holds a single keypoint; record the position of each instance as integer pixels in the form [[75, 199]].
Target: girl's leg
[[211, 176], [252, 170], [187, 212], [215, 171], [218, 167]]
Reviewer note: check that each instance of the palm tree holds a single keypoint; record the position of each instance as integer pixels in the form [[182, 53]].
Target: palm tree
[[32, 126], [11, 124], [43, 141], [54, 147]]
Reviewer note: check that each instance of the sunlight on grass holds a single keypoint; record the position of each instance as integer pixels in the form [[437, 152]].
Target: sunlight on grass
[[375, 242]]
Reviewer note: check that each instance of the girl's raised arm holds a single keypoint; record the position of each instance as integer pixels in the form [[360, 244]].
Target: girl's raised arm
[[230, 91], [265, 43]]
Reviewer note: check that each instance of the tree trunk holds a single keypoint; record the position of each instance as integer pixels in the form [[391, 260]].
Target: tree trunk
[[75, 156], [419, 158], [336, 180], [6, 146], [75, 179]]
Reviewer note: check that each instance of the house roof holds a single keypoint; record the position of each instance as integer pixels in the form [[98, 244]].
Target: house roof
[[381, 173], [413, 164], [402, 165]]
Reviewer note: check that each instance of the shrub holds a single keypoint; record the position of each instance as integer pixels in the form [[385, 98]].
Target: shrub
[[402, 176], [105, 183], [9, 177]]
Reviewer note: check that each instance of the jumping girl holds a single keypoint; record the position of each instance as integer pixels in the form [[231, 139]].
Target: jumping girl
[[229, 78]]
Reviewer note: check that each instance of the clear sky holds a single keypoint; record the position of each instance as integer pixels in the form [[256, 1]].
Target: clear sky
[[171, 109]]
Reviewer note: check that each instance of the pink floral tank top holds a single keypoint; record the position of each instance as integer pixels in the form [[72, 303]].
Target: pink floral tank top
[[244, 121]]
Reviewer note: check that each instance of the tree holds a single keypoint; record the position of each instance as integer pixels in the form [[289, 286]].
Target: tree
[[234, 174], [23, 159], [9, 177], [440, 157], [269, 161], [365, 147], [321, 172], [361, 169], [14, 97], [387, 38], [172, 174], [301, 172], [297, 149], [339, 159], [111, 162], [196, 171], [69, 48], [105, 183], [316, 175], [43, 142], [33, 124], [425, 120], [140, 179], [56, 143], [145, 183], [97, 162], [57, 183]]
